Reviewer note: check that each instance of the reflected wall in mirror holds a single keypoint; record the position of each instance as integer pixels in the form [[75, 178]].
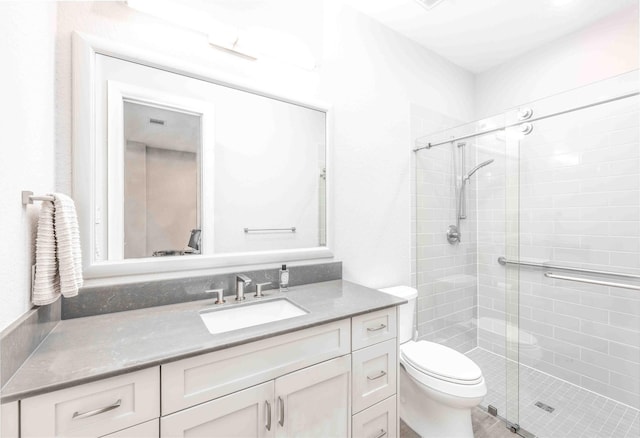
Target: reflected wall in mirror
[[161, 181]]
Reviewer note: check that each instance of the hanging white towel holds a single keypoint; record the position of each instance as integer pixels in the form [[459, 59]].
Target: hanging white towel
[[58, 256]]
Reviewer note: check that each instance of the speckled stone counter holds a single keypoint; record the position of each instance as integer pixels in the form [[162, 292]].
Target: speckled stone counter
[[87, 349]]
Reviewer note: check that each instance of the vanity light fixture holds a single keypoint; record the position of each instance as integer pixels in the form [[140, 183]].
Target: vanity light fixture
[[250, 44], [230, 42], [221, 35]]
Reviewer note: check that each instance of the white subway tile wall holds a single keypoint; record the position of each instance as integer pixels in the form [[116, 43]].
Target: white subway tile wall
[[444, 274], [579, 206]]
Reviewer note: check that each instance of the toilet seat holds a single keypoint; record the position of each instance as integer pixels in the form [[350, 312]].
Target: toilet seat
[[441, 362]]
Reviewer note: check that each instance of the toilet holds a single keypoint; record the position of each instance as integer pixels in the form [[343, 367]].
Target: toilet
[[438, 385]]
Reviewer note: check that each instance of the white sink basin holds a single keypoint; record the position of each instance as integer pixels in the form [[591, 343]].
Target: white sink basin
[[250, 314]]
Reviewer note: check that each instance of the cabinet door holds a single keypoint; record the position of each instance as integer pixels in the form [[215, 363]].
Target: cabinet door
[[9, 420], [246, 413], [315, 401]]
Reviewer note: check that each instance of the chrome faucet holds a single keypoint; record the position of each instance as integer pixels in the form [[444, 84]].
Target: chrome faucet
[[241, 282]]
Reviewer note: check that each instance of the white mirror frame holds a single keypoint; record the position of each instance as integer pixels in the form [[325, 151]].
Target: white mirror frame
[[87, 177]]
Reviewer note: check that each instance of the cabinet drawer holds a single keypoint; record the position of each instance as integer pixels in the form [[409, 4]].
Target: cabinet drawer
[[150, 429], [378, 421], [198, 379], [374, 374], [374, 327], [94, 409]]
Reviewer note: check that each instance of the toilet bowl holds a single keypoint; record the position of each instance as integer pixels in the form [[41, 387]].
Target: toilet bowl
[[438, 385]]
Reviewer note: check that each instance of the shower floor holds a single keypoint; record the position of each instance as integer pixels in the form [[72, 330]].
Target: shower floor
[[578, 412]]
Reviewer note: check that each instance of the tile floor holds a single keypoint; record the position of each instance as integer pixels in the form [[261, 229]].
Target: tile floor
[[578, 412], [484, 426]]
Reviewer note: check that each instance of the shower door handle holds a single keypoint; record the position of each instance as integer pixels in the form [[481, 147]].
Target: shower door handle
[[592, 281]]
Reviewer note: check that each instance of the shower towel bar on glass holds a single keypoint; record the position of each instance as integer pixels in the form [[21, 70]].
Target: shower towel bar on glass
[[591, 281], [268, 230], [503, 261]]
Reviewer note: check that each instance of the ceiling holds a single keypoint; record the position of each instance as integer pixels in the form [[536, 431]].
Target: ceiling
[[480, 34], [178, 132]]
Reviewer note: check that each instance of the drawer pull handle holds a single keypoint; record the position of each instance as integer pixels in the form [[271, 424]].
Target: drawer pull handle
[[281, 406], [79, 416], [375, 329], [267, 407], [382, 374], [381, 434]]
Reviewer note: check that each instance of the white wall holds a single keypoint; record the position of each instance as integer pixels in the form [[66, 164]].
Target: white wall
[[27, 160], [372, 75], [368, 73], [605, 49]]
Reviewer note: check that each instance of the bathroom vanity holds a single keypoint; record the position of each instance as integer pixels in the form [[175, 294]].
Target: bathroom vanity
[[159, 372]]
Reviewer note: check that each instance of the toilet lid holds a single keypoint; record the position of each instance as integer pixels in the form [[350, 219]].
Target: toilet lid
[[441, 362]]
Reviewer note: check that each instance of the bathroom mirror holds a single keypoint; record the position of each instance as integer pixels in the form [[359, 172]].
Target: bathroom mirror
[[178, 170]]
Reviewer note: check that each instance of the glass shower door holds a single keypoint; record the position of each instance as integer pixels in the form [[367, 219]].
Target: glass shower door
[[573, 225]]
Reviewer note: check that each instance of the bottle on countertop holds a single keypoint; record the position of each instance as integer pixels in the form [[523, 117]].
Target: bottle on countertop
[[284, 279]]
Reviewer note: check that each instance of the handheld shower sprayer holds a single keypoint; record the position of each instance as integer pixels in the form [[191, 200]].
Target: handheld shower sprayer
[[475, 169], [453, 232]]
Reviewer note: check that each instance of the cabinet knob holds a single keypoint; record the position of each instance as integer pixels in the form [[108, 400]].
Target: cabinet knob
[[281, 406], [267, 408], [375, 329], [80, 415], [381, 434]]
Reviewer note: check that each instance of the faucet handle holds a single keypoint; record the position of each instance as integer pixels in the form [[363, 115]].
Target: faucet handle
[[219, 292], [259, 287]]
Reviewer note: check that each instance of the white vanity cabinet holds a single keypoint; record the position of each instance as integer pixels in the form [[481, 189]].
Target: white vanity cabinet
[[375, 374], [9, 420], [93, 409], [246, 413], [309, 382], [313, 402], [202, 378]]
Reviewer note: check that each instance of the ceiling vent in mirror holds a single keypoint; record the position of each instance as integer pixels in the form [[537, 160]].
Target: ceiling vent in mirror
[[156, 121], [429, 4]]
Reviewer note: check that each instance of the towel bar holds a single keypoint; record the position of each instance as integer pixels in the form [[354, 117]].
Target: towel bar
[[28, 197], [269, 230]]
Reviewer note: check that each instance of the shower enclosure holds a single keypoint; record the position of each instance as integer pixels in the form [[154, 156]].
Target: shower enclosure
[[542, 287]]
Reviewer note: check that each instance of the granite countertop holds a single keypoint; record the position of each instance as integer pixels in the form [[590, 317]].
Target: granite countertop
[[86, 349]]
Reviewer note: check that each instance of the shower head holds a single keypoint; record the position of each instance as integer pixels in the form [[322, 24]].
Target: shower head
[[478, 167]]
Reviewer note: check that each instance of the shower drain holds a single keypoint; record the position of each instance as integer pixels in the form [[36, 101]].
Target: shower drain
[[545, 407]]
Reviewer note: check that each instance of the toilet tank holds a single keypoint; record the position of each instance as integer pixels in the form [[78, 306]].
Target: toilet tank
[[406, 312]]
